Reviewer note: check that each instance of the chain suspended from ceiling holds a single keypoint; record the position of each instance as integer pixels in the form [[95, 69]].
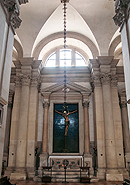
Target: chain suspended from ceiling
[[64, 20]]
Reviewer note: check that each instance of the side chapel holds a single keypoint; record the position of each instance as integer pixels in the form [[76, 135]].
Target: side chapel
[[33, 79]]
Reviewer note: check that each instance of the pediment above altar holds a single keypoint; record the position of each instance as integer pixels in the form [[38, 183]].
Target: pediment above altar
[[71, 88]]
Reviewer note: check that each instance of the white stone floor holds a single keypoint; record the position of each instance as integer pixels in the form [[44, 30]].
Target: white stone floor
[[28, 182]]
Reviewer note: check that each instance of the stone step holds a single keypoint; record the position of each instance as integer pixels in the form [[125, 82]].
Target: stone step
[[67, 176], [67, 180], [63, 172]]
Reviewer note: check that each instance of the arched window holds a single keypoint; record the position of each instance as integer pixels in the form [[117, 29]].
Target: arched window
[[51, 61], [64, 56], [80, 61]]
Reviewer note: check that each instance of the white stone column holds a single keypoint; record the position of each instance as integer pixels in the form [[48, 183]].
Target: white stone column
[[32, 121], [125, 127], [112, 172], [20, 170], [9, 21], [100, 130], [122, 19], [6, 49], [87, 155], [44, 155], [111, 160], [117, 125], [99, 119], [126, 62], [8, 125], [14, 126]]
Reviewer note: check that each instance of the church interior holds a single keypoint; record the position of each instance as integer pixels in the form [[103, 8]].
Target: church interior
[[65, 90]]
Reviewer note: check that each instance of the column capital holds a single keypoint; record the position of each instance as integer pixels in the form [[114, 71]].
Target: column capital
[[123, 101], [85, 103], [35, 76], [114, 80], [10, 99], [35, 80], [27, 71], [25, 79], [18, 79], [96, 81], [122, 11], [46, 104], [105, 78]]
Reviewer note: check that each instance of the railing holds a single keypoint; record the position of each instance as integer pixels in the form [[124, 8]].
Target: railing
[[65, 174]]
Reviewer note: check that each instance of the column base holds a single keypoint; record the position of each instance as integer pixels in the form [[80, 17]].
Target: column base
[[101, 173], [43, 159], [127, 160], [30, 172], [114, 175], [8, 171], [88, 162], [19, 174], [125, 173]]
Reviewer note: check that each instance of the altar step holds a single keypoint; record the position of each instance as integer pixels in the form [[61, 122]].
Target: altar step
[[59, 175]]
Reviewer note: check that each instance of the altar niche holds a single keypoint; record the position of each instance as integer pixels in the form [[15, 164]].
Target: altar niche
[[72, 138]]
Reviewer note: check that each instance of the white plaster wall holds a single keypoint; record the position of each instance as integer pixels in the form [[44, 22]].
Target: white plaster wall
[[7, 68], [2, 136], [3, 34], [126, 59]]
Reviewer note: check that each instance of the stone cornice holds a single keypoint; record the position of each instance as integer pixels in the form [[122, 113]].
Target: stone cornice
[[11, 8], [122, 12]]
